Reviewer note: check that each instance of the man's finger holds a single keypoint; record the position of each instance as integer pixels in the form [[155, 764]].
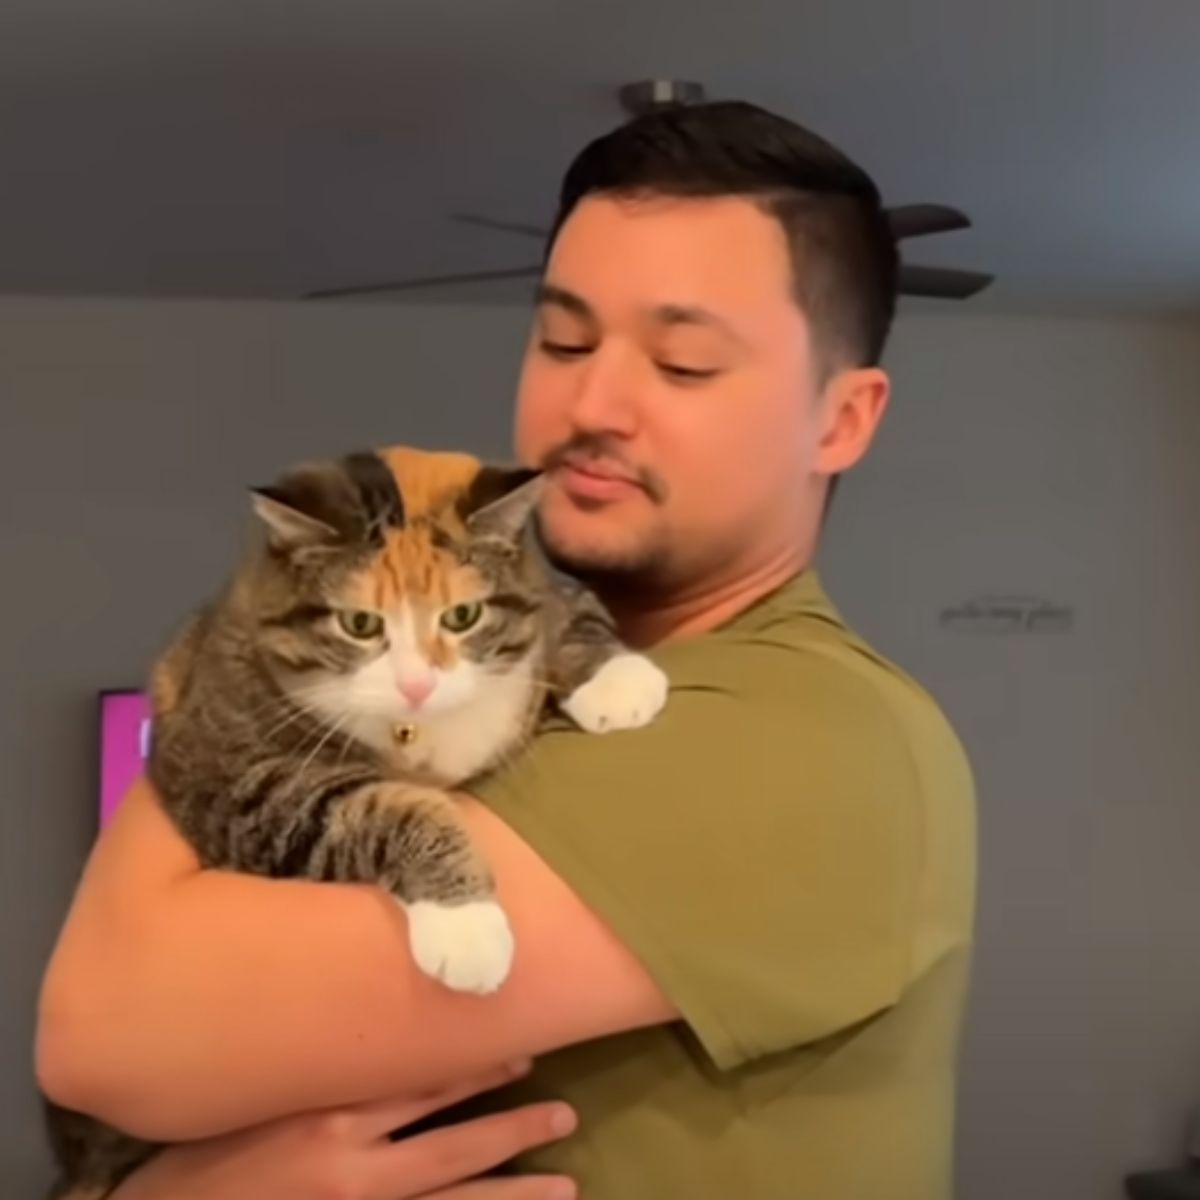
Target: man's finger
[[382, 1117], [461, 1152]]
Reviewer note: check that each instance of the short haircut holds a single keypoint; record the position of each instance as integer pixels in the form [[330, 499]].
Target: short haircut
[[844, 260]]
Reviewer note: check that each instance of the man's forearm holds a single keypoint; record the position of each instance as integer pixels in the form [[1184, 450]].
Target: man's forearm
[[200, 1022], [183, 1003]]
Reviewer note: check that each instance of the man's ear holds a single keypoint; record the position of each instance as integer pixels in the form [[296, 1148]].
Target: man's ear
[[852, 408], [500, 500]]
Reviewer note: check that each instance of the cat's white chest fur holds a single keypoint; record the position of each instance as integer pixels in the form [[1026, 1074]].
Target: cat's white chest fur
[[452, 746]]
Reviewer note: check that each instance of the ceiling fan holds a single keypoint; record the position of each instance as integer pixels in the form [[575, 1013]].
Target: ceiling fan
[[906, 221]]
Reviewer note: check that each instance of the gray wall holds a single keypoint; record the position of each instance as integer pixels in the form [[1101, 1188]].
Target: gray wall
[[128, 434], [1057, 459], [1042, 457]]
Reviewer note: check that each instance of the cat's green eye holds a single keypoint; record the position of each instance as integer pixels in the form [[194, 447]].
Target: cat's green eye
[[360, 624], [461, 617]]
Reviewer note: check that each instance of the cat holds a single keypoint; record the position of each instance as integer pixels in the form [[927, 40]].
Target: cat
[[394, 635]]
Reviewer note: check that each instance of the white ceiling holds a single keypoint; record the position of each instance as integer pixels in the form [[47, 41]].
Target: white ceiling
[[270, 147]]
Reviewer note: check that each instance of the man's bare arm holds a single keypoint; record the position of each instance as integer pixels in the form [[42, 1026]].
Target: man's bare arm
[[183, 1003]]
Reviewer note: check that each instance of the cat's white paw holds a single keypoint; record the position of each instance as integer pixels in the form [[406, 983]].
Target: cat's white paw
[[468, 947], [627, 692]]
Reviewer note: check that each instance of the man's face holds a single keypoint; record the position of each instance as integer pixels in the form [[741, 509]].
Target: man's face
[[670, 391]]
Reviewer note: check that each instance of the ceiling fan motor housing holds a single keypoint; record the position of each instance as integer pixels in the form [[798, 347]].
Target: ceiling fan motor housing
[[650, 94]]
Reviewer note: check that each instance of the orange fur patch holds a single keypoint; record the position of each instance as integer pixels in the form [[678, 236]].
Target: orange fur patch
[[411, 565], [429, 478]]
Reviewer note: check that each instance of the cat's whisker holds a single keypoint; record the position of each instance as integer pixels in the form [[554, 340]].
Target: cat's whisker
[[299, 713], [348, 740], [322, 723], [303, 699], [299, 775], [325, 685], [275, 703], [294, 703], [543, 682]]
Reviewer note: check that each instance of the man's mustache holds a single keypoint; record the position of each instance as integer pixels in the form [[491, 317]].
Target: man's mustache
[[588, 447]]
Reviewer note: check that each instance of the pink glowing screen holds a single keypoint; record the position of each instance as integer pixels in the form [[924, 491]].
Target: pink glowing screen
[[124, 745]]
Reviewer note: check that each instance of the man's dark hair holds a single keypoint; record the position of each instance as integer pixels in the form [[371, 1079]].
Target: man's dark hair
[[844, 259]]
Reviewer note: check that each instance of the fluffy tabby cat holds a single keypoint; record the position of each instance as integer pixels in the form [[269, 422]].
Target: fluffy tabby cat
[[395, 635]]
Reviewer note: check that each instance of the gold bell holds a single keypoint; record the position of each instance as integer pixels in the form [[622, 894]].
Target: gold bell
[[405, 733]]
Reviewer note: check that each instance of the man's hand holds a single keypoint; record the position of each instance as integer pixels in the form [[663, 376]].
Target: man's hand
[[347, 1155]]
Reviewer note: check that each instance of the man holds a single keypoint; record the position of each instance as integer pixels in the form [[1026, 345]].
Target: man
[[742, 932]]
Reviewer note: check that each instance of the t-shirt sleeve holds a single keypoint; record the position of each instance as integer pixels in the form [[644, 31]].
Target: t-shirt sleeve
[[756, 846]]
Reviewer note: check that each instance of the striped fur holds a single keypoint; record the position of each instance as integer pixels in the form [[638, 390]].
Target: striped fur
[[274, 744]]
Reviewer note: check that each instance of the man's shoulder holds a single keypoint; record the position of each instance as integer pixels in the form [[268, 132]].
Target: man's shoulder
[[795, 668], [793, 646]]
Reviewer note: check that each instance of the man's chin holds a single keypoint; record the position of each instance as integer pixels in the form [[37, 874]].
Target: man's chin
[[599, 543], [593, 557]]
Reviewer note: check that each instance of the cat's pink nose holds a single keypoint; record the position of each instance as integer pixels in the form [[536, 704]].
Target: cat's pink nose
[[416, 688]]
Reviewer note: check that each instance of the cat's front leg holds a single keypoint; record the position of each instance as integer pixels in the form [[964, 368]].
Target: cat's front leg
[[457, 930], [626, 692], [410, 841], [600, 683]]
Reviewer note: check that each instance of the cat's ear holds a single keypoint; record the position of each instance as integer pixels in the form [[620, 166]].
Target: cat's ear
[[500, 500], [306, 506], [350, 500], [288, 528]]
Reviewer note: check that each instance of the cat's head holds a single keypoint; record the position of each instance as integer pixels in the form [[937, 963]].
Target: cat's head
[[395, 586]]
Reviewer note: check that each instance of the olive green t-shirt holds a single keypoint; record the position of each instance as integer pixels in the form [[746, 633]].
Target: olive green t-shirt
[[790, 851]]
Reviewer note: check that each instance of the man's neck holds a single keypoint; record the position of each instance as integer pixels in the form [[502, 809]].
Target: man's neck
[[648, 620]]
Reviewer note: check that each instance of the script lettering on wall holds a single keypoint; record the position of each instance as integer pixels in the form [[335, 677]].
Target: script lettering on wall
[[999, 614]]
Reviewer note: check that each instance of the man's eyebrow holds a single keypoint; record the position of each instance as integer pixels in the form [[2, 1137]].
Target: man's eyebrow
[[663, 314], [689, 314], [559, 297]]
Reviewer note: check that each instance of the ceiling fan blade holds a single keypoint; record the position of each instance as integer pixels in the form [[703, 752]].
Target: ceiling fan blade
[[942, 283], [906, 221], [920, 220], [404, 285], [504, 226]]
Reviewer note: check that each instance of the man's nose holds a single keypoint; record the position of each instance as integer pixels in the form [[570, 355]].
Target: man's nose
[[605, 400]]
